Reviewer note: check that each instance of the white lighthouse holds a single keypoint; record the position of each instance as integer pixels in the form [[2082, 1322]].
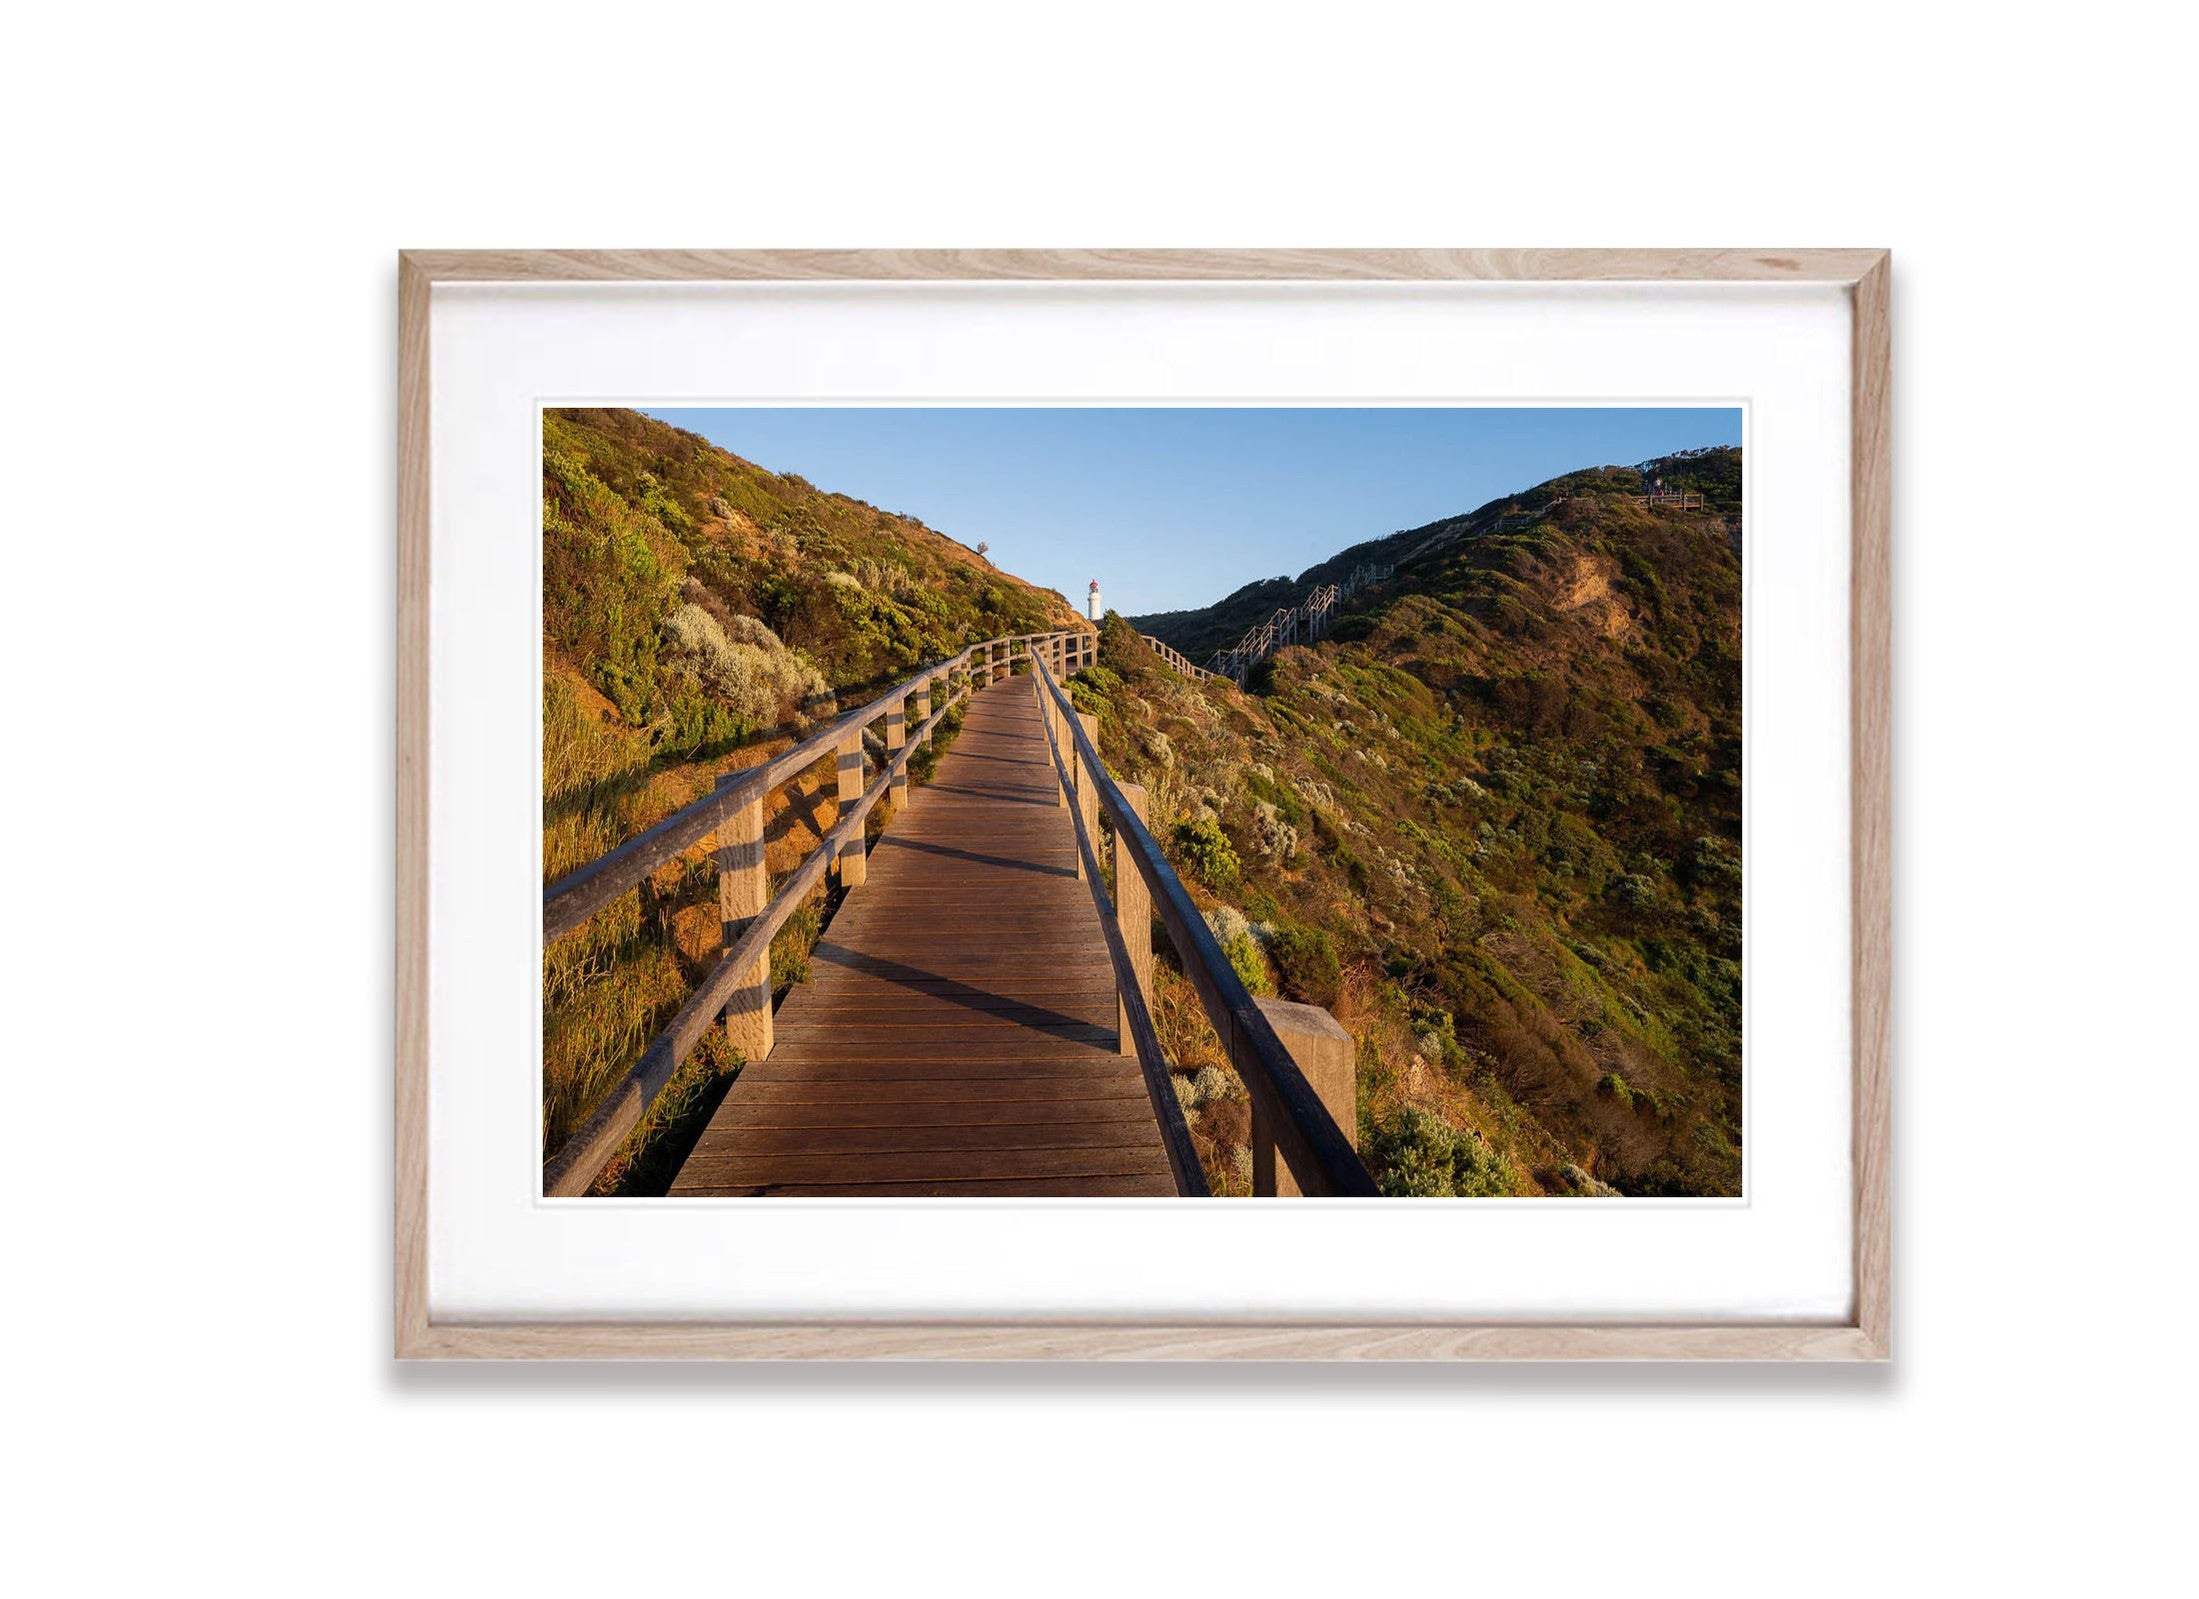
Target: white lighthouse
[[1092, 603]]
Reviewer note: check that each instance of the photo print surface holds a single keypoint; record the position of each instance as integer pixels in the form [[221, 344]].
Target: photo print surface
[[1142, 803]]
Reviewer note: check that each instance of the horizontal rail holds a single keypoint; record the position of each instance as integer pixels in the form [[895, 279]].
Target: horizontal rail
[[1183, 1154], [583, 893], [581, 1157], [1177, 659], [580, 895], [1319, 1154]]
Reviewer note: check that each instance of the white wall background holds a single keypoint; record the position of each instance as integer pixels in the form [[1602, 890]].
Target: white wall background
[[199, 372]]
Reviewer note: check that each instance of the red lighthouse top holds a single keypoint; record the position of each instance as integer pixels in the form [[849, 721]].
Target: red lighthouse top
[[1095, 584]]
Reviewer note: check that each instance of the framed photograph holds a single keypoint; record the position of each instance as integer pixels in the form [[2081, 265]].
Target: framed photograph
[[1143, 804]]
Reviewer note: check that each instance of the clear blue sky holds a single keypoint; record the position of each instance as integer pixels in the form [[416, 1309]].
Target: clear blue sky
[[1171, 508]]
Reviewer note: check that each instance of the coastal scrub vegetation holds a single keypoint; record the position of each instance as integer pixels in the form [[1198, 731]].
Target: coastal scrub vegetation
[[699, 613], [1493, 823]]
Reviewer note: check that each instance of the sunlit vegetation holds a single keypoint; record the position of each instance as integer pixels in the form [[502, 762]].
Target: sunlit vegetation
[[1493, 823], [700, 613]]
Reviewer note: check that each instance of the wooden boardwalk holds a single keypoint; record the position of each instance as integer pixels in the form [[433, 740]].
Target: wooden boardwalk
[[957, 1035]]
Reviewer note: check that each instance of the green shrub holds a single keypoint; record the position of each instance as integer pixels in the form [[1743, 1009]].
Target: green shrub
[[1241, 945], [756, 677], [1287, 804], [1435, 1035], [1422, 1156], [1206, 849], [1091, 688], [1247, 962], [1306, 962]]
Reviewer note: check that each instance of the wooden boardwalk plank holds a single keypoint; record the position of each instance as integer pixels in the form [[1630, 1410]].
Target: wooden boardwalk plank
[[930, 1166], [973, 1095], [977, 1000], [1059, 1070], [1122, 1134], [1146, 1187], [961, 1111], [957, 1034]]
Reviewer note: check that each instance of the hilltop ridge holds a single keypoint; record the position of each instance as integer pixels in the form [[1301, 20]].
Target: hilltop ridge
[[1198, 631]]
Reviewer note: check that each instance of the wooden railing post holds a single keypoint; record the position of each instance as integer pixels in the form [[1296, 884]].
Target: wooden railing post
[[897, 734], [854, 864], [744, 888], [1324, 1052], [1087, 789], [1134, 920]]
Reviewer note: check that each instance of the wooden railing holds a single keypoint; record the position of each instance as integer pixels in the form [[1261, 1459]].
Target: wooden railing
[[1176, 658], [1302, 623], [739, 986], [1290, 1117]]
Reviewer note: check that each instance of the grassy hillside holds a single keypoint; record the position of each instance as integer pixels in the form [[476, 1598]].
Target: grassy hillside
[[698, 614], [1494, 822]]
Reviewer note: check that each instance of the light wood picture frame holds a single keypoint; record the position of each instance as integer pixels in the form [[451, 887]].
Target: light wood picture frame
[[1864, 1335]]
